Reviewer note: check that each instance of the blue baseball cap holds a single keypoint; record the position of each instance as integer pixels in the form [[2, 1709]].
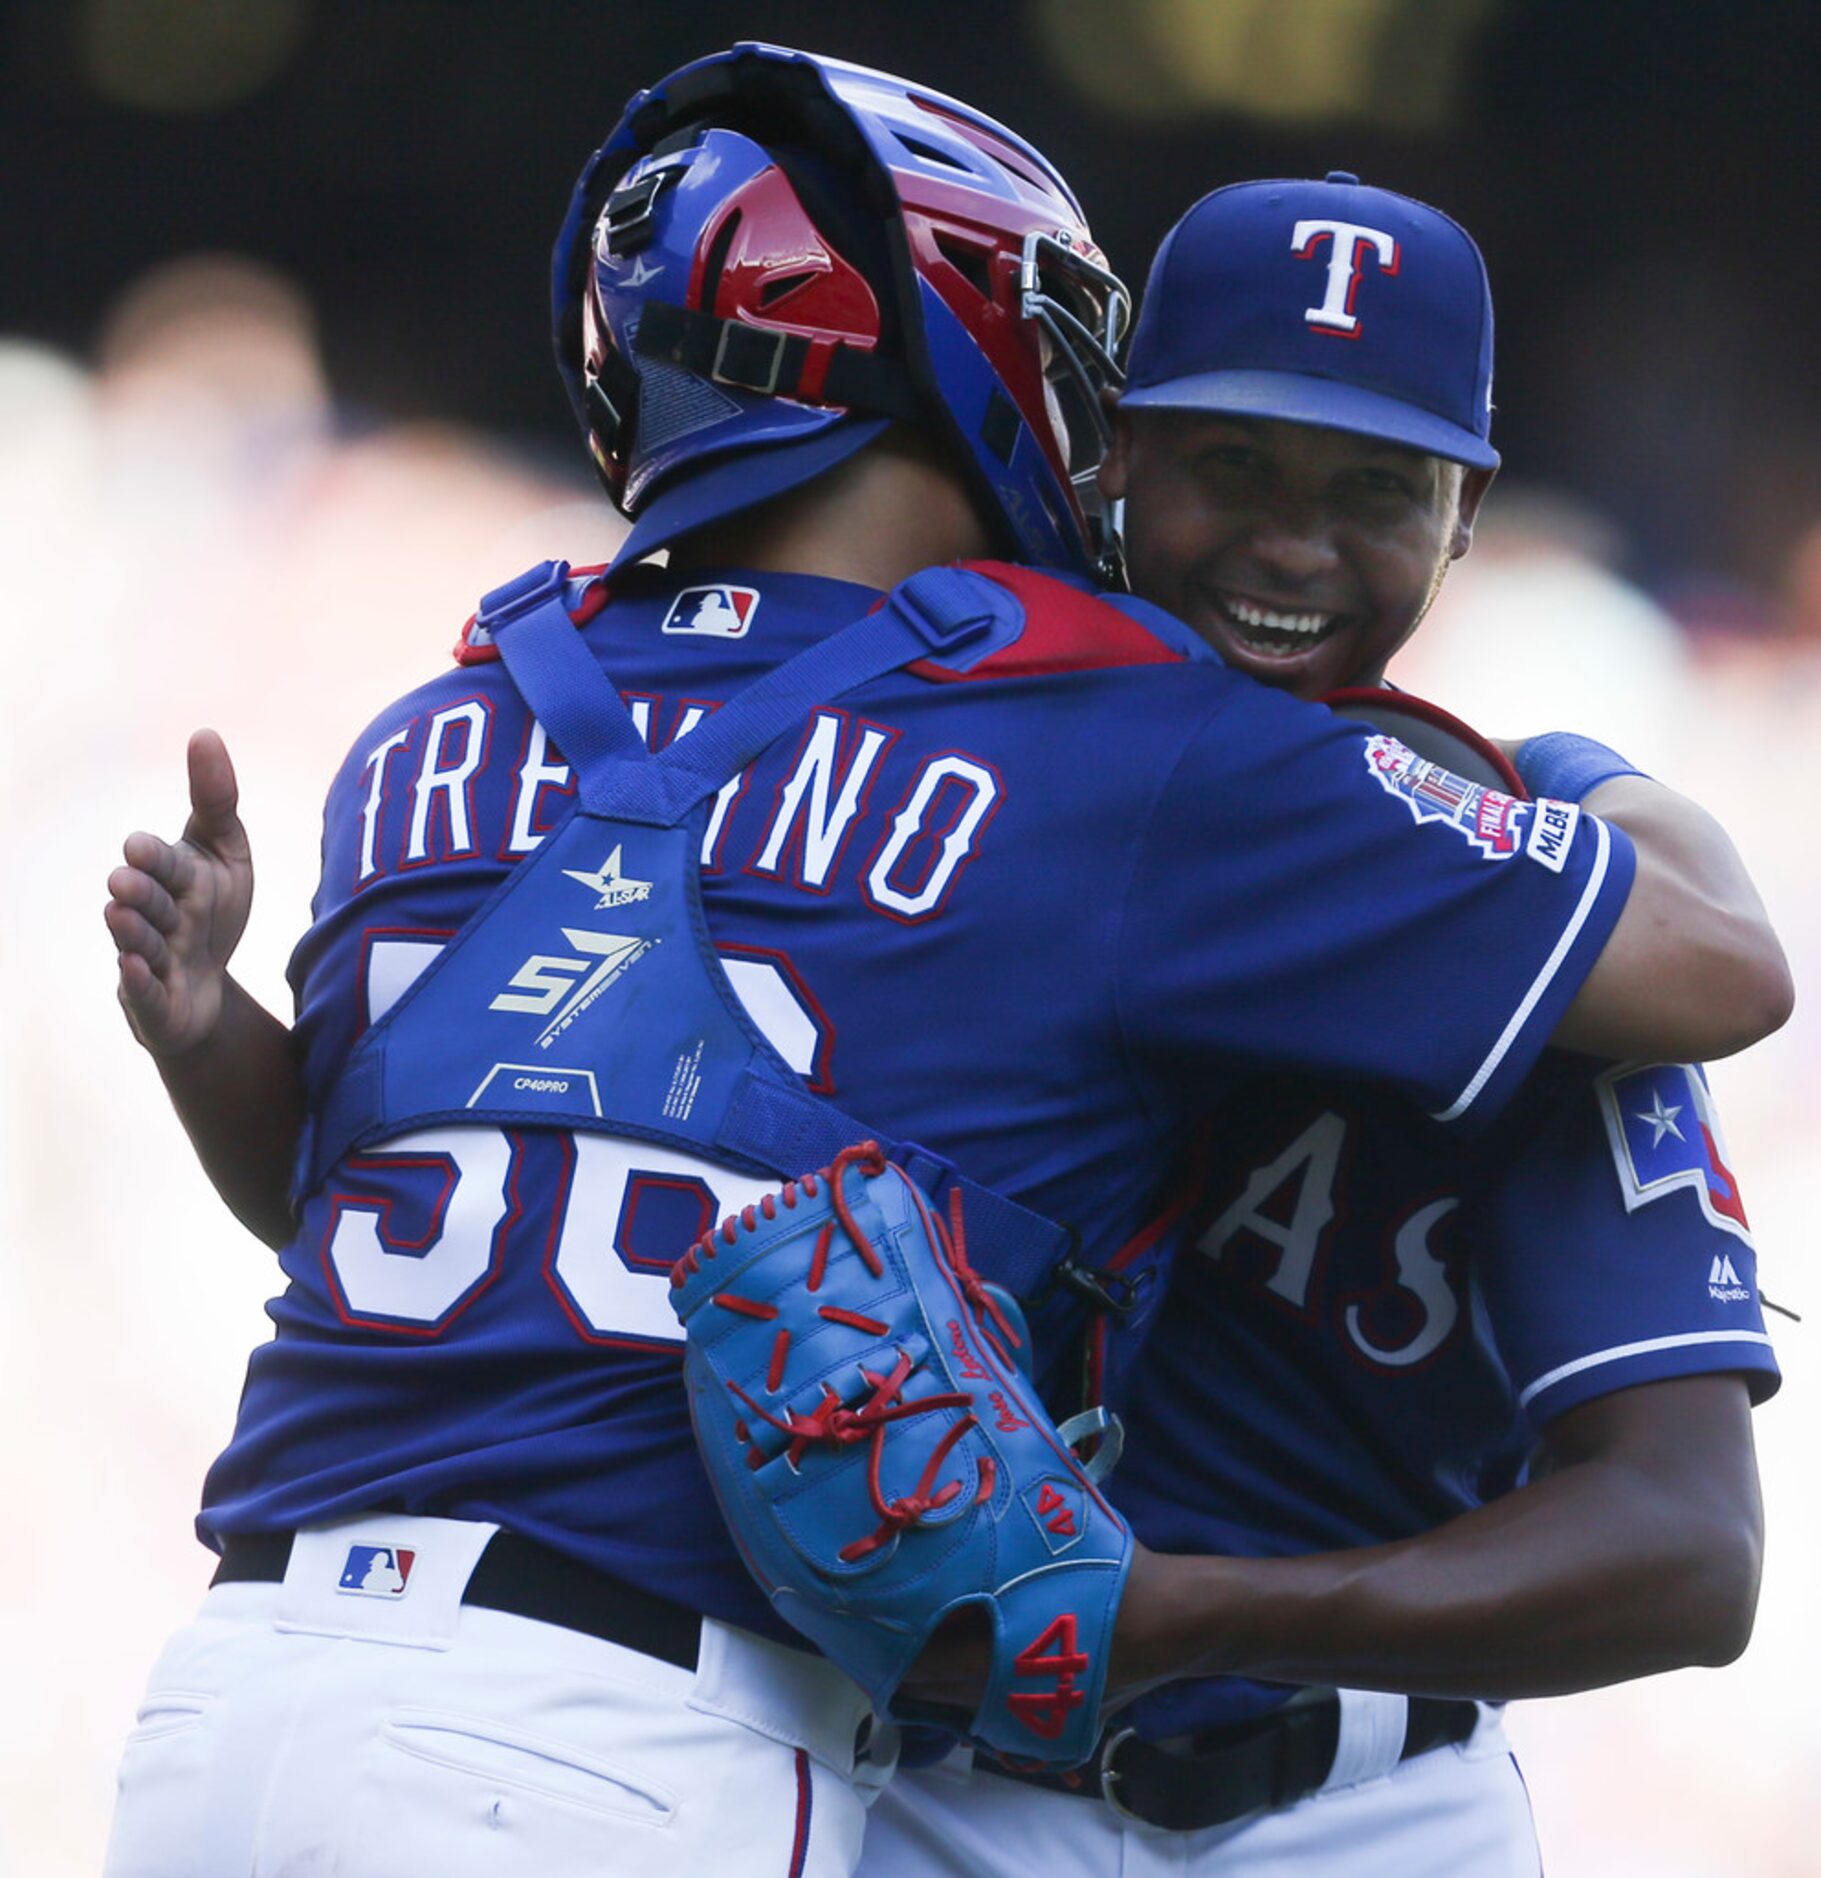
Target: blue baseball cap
[[1321, 303]]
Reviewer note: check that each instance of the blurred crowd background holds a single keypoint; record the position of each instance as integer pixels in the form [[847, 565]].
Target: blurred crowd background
[[276, 406]]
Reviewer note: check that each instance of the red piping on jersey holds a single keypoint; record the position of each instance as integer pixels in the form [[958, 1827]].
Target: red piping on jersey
[[799, 1847], [1437, 719], [1187, 1191], [1065, 630], [594, 597]]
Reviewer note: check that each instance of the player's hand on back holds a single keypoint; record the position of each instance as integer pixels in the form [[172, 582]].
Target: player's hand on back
[[177, 910]]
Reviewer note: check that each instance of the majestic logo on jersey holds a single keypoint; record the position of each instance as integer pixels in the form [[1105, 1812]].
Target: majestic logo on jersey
[[613, 886], [1665, 1135], [717, 612], [1350, 245], [377, 1571], [1724, 1284], [540, 983], [1488, 818]]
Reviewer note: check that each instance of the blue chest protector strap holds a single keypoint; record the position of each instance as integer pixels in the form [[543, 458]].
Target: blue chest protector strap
[[596, 1000]]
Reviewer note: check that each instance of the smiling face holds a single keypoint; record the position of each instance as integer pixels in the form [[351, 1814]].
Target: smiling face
[[1305, 556]]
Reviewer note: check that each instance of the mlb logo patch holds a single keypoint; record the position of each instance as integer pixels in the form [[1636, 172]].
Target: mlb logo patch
[[1665, 1136], [1056, 1506], [377, 1571], [1552, 826], [715, 612]]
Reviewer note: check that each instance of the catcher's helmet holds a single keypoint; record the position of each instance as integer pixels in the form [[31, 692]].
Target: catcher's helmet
[[775, 254]]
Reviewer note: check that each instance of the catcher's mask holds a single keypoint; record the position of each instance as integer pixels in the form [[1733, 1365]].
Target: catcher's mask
[[774, 255]]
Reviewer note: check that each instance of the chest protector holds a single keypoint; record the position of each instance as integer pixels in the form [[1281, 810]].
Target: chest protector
[[585, 992]]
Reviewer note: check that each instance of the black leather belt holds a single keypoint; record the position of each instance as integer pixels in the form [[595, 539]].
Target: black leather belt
[[523, 1579], [1226, 1773]]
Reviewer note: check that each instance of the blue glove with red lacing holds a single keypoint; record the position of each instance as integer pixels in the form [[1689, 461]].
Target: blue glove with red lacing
[[882, 1458]]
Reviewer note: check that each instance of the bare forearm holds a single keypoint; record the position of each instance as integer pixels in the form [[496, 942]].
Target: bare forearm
[[1461, 1612], [240, 1100], [1610, 1569], [1693, 970]]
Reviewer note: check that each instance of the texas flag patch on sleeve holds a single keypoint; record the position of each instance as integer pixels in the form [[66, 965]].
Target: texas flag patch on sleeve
[[1665, 1136]]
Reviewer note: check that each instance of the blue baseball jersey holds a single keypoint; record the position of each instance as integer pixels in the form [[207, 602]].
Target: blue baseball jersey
[[1376, 1322], [1038, 911]]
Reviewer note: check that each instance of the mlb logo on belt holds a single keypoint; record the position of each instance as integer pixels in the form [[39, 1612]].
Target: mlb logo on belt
[[377, 1571], [717, 612], [1665, 1135]]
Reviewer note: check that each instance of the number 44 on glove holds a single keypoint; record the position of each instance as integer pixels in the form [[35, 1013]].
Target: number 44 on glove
[[883, 1461]]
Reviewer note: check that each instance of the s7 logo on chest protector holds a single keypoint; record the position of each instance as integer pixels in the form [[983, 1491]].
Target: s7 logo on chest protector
[[568, 985]]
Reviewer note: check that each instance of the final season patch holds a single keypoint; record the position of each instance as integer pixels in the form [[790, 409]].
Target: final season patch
[[1665, 1135], [1489, 819], [715, 612]]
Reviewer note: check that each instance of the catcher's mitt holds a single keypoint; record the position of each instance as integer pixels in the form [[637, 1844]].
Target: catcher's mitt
[[884, 1462]]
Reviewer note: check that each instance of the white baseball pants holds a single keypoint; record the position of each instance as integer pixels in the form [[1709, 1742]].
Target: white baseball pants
[[1456, 1812], [298, 1729]]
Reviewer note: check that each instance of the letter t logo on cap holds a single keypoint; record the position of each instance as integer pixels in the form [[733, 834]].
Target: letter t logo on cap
[[1351, 240]]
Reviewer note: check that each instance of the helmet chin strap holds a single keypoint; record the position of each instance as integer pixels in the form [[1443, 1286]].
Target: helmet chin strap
[[776, 363], [1106, 533]]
